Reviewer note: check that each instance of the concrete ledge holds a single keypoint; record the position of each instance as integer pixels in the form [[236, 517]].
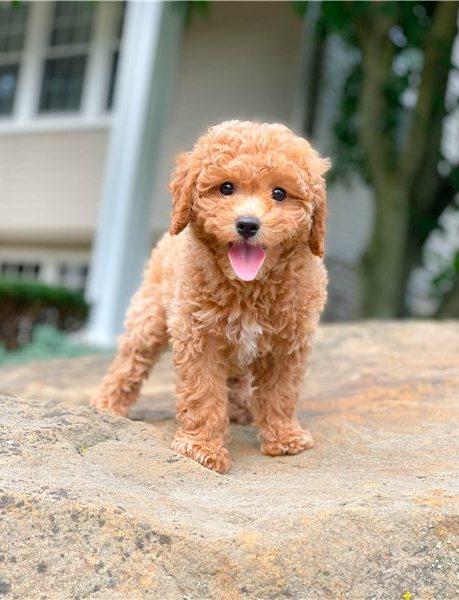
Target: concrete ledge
[[95, 506]]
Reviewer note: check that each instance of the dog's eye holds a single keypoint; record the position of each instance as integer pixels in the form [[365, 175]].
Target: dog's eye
[[227, 188], [278, 194]]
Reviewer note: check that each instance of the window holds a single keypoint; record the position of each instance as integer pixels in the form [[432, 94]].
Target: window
[[65, 65], [13, 20], [70, 272], [62, 84], [72, 23], [20, 270], [8, 82], [73, 276], [58, 61]]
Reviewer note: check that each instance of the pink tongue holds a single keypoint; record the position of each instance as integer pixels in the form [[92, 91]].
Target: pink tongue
[[246, 260]]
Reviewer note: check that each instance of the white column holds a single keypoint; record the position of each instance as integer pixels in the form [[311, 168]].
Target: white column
[[149, 51]]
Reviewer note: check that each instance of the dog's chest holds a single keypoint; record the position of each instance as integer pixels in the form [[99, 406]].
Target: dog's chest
[[244, 335]]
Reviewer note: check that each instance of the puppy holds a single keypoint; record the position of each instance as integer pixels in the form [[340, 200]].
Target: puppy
[[237, 287]]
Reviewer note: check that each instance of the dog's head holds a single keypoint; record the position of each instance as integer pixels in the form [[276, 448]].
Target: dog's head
[[250, 191]]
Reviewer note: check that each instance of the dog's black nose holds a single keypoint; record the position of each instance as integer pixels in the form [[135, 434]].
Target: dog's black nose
[[247, 226]]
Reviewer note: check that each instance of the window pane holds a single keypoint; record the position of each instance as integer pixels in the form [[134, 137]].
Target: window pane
[[8, 81], [62, 84], [12, 26], [72, 275], [72, 23], [112, 83], [18, 270]]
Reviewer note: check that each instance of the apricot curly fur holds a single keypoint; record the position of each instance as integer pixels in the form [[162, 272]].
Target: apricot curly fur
[[240, 348]]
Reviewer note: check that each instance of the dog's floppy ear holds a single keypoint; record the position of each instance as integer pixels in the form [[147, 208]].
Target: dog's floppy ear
[[181, 187], [317, 233]]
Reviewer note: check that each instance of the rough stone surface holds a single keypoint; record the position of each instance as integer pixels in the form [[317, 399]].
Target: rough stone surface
[[99, 507]]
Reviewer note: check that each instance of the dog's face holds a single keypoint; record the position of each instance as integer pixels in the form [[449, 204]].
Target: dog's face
[[250, 191]]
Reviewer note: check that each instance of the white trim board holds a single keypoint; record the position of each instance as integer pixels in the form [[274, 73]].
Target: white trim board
[[55, 123]]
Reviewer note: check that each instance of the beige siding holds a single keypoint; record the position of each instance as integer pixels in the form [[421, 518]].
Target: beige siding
[[50, 185]]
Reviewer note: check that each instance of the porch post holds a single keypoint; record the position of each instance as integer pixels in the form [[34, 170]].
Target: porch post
[[149, 51]]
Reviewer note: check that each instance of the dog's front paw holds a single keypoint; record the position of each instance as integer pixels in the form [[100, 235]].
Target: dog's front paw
[[102, 402], [288, 441], [211, 454]]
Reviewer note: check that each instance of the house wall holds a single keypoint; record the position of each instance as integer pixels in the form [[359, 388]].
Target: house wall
[[50, 186]]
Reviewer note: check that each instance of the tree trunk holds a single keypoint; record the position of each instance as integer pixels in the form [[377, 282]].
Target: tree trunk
[[383, 275]]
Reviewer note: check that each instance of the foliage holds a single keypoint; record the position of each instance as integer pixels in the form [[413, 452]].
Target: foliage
[[26, 304], [29, 292]]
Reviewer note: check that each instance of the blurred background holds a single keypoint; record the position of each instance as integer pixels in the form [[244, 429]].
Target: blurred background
[[96, 98]]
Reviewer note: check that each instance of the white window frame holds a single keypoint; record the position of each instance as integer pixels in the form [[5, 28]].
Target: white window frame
[[93, 112], [49, 261]]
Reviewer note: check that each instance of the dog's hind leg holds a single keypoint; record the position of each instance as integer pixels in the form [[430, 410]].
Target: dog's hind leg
[[139, 348], [239, 396]]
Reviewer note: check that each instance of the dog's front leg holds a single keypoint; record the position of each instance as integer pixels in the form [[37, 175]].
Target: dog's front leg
[[277, 379], [202, 402]]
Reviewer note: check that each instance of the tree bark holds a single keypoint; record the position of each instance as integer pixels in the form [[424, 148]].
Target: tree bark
[[382, 266]]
